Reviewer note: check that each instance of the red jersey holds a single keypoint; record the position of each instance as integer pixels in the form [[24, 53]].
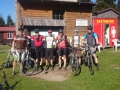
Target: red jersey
[[61, 43], [38, 41]]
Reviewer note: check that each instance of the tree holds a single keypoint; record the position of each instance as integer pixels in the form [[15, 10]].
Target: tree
[[103, 4], [118, 5], [2, 22], [9, 21]]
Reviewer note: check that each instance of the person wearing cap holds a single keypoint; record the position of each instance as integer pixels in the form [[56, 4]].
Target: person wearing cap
[[92, 41], [75, 42], [61, 44], [50, 45], [19, 45], [38, 42]]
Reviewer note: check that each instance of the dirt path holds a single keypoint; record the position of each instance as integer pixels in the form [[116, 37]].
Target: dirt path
[[55, 75]]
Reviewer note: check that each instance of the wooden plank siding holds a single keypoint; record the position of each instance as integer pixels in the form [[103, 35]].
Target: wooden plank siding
[[73, 11], [71, 22]]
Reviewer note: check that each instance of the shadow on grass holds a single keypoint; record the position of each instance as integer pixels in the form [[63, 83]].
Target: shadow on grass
[[15, 84]]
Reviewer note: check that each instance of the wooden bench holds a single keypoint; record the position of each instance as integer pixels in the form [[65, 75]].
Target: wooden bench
[[116, 44]]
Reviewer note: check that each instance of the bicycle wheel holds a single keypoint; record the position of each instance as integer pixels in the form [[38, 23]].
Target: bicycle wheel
[[75, 66], [10, 56], [2, 66], [91, 65], [28, 66], [71, 61]]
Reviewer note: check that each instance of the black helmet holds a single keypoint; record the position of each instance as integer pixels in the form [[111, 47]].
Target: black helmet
[[36, 30], [60, 30], [20, 29], [90, 27]]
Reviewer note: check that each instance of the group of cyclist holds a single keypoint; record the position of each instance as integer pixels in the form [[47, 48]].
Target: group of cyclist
[[49, 43]]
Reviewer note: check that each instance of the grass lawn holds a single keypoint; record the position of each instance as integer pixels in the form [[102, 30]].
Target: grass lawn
[[107, 78], [4, 47]]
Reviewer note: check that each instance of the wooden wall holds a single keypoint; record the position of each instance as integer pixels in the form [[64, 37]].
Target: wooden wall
[[71, 22], [73, 11]]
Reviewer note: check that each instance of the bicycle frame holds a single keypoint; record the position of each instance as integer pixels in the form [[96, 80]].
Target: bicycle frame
[[5, 82]]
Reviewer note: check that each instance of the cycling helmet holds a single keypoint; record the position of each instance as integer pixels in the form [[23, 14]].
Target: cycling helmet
[[61, 30], [20, 29], [36, 30], [90, 27], [75, 30], [49, 31]]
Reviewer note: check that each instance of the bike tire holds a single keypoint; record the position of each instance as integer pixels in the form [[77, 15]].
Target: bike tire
[[75, 66], [2, 66], [91, 65], [28, 66], [9, 57]]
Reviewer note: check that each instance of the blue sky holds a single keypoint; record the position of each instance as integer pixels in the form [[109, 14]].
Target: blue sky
[[7, 7]]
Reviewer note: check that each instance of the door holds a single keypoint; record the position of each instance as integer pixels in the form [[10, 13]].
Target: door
[[106, 34]]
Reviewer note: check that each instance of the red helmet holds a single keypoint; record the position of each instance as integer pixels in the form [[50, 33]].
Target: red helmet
[[50, 31]]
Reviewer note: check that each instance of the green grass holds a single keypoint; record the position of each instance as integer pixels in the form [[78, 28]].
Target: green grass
[[4, 47], [107, 78]]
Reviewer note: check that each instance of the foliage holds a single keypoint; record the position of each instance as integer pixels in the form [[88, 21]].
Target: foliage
[[9, 21], [2, 22], [118, 5], [103, 4]]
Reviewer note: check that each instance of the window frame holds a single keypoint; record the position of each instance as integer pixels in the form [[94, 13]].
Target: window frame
[[9, 35], [57, 14]]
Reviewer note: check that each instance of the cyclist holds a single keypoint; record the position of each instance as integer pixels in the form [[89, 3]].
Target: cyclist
[[92, 40], [50, 42], [38, 42], [61, 44], [19, 46], [76, 44]]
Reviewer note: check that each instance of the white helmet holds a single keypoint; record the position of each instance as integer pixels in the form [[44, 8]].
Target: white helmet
[[75, 30]]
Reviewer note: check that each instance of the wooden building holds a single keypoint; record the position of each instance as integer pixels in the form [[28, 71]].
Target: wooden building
[[105, 23], [6, 35], [53, 14]]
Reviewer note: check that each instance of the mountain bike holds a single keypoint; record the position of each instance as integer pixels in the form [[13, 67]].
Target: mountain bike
[[28, 65], [74, 62], [88, 57], [7, 86], [8, 63]]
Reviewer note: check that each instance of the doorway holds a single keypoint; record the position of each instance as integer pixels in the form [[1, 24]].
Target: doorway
[[106, 34]]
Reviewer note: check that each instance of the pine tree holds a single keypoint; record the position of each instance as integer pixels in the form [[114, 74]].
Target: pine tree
[[103, 4], [9, 21], [2, 22], [118, 5]]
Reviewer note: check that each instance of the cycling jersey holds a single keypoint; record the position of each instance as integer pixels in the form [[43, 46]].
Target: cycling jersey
[[61, 41], [38, 41], [76, 41], [20, 42], [49, 41]]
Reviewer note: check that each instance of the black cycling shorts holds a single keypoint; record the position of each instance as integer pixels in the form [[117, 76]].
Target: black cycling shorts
[[61, 51], [39, 52], [49, 53]]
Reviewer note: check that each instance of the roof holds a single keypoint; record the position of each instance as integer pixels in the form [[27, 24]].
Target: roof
[[31, 21], [7, 28], [105, 10], [61, 1]]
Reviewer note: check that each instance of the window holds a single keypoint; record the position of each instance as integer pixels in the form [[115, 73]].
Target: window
[[58, 14], [9, 35]]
